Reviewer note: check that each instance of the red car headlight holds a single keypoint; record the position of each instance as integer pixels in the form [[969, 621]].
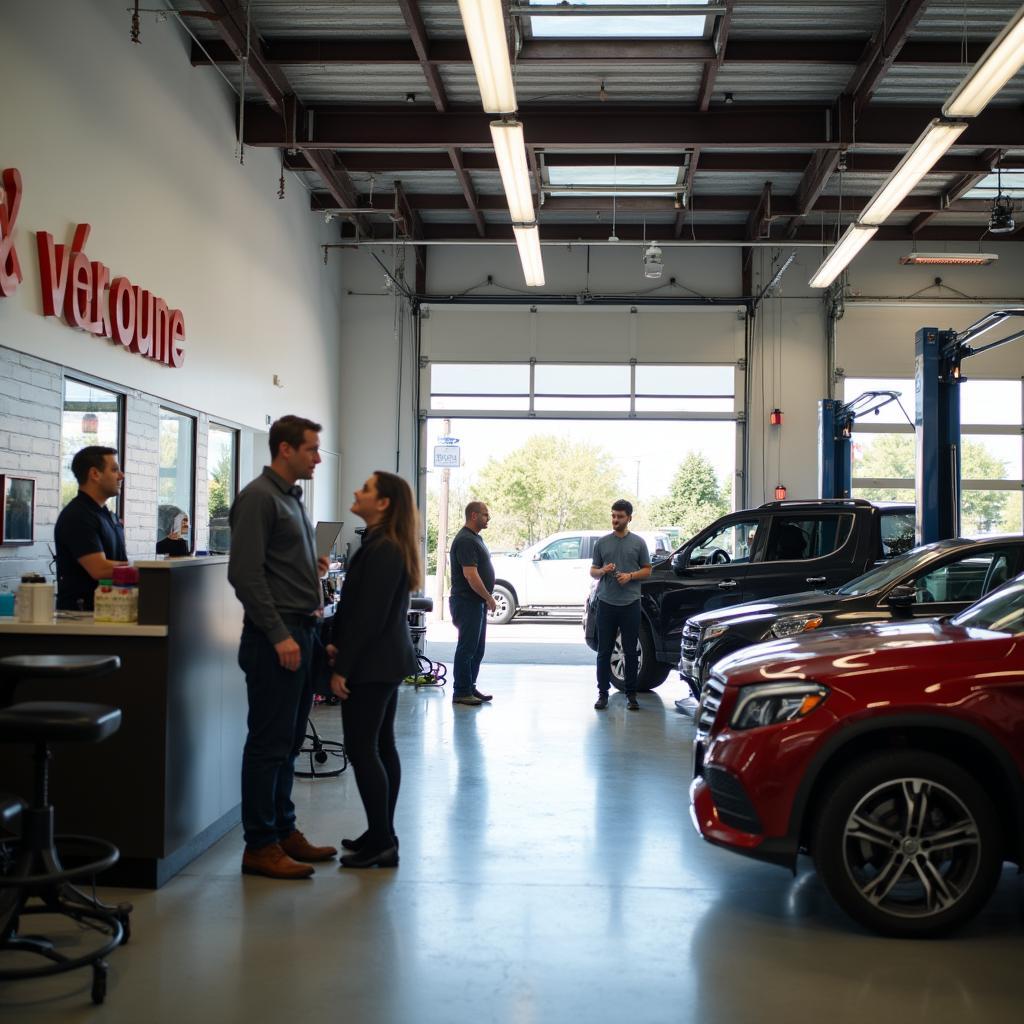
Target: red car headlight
[[773, 703]]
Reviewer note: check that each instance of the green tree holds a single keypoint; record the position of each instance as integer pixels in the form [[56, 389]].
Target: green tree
[[220, 487], [893, 456], [549, 484], [695, 497]]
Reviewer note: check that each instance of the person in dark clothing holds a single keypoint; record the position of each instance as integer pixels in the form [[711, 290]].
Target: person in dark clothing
[[276, 574], [470, 601], [88, 536], [174, 545], [373, 653]]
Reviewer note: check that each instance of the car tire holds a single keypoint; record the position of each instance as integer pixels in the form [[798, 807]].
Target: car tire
[[880, 861], [506, 606], [650, 673]]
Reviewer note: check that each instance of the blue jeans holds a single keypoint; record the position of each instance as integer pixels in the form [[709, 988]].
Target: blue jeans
[[469, 614], [612, 619], [279, 703]]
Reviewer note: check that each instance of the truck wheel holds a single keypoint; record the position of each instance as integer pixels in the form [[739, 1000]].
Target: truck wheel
[[506, 606], [908, 844], [650, 672]]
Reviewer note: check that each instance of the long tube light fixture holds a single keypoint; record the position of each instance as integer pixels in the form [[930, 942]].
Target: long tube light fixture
[[488, 48], [510, 151], [854, 239], [922, 156], [528, 244], [998, 64]]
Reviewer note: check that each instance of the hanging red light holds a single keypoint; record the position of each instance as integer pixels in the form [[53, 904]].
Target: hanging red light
[[780, 492], [90, 423]]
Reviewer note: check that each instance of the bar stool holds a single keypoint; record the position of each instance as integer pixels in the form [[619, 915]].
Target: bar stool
[[18, 668], [37, 873]]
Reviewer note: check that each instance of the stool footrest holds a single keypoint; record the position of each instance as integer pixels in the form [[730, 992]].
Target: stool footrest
[[105, 855]]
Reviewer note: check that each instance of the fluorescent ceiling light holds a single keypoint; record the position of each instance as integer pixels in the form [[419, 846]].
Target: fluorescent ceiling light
[[854, 239], [488, 48], [528, 244], [510, 150], [948, 259], [998, 64], [920, 159]]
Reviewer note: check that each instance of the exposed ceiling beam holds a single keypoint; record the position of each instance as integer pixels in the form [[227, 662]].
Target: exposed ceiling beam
[[691, 175], [468, 191], [759, 221], [413, 226], [710, 73], [899, 17], [775, 128], [285, 51], [418, 34], [968, 181]]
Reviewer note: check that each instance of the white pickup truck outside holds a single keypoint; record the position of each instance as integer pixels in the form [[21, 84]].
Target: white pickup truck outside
[[554, 572]]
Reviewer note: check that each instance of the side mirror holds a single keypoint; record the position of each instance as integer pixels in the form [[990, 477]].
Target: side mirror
[[679, 562], [901, 599], [536, 556]]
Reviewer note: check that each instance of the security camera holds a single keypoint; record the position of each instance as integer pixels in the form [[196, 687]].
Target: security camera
[[1001, 220], [653, 265]]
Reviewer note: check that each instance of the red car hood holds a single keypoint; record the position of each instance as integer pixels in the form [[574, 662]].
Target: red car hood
[[861, 651]]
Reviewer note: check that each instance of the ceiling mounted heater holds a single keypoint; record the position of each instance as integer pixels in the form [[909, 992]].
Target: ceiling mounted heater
[[948, 259]]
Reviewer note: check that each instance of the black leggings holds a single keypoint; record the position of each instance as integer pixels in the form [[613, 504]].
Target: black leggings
[[368, 723]]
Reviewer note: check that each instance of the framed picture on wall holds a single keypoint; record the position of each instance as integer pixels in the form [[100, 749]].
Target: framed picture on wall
[[18, 524]]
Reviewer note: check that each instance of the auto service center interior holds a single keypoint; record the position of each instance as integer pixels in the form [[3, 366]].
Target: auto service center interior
[[387, 215]]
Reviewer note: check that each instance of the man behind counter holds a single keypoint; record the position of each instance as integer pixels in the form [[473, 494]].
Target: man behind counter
[[88, 536]]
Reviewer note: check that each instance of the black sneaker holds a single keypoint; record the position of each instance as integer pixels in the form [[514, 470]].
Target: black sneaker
[[633, 704], [470, 699], [602, 702], [485, 697]]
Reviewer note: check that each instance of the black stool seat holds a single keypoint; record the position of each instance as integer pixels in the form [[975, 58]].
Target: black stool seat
[[421, 604], [48, 721], [58, 666]]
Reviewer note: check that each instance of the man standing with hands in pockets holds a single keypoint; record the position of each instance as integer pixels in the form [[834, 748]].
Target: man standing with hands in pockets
[[621, 561], [276, 574]]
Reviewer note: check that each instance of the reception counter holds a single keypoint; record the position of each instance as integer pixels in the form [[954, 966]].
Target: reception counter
[[165, 787]]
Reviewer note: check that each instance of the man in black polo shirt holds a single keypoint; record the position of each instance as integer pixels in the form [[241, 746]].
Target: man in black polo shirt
[[276, 574], [88, 536], [470, 601]]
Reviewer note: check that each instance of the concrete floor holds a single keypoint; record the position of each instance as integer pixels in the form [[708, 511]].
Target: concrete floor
[[549, 873]]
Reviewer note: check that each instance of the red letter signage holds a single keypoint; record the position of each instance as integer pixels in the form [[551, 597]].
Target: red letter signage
[[10, 201]]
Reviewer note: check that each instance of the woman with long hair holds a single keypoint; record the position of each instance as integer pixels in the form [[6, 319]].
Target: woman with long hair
[[374, 653]]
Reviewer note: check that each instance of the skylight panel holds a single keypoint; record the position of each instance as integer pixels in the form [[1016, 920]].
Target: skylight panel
[[630, 179], [988, 187], [641, 26]]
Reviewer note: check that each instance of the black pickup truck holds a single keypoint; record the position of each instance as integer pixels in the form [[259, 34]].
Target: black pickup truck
[[781, 547]]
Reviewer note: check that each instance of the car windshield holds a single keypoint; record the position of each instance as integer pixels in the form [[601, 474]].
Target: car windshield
[[1002, 611], [881, 576]]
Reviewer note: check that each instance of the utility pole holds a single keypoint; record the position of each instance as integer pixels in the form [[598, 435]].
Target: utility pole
[[442, 533]]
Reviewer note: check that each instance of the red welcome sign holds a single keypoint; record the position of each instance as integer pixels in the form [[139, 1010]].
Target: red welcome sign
[[90, 301], [10, 202]]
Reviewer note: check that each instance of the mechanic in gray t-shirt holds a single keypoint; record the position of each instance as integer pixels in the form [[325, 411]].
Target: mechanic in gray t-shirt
[[621, 561]]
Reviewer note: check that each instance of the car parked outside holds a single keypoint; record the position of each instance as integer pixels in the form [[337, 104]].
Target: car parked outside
[[927, 582], [553, 573], [781, 547], [892, 753]]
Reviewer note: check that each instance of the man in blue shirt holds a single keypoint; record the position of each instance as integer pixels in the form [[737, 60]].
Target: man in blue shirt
[[621, 561], [88, 536]]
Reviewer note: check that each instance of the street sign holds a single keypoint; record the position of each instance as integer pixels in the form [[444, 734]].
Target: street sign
[[447, 456], [447, 440]]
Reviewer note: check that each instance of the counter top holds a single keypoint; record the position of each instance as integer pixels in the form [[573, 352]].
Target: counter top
[[79, 627], [181, 563]]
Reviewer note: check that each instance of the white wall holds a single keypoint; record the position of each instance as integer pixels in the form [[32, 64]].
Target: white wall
[[136, 142]]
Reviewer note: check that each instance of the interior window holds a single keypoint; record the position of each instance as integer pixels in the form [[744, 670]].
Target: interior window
[[966, 579], [897, 533], [732, 543], [798, 537], [567, 547]]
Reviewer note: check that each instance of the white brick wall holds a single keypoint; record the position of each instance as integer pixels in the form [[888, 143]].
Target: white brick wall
[[30, 421]]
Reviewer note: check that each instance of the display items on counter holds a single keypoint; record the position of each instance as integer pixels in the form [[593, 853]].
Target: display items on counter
[[117, 599], [34, 601]]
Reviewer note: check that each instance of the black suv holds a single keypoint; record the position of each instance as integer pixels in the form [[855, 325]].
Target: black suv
[[782, 547], [928, 582]]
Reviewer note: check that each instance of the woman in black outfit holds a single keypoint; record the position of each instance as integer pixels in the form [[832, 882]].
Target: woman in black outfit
[[374, 653]]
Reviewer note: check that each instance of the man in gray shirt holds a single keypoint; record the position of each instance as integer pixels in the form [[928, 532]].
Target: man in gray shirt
[[621, 561], [276, 574]]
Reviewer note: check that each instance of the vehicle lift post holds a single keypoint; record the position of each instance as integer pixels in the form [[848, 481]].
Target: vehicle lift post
[[835, 432], [937, 359]]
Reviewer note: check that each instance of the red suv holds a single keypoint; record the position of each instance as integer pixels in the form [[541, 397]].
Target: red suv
[[893, 754]]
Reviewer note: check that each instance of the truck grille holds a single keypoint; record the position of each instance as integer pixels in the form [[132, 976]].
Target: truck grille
[[710, 701], [691, 641]]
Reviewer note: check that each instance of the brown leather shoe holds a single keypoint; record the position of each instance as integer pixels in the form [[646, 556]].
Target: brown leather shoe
[[273, 862], [298, 847]]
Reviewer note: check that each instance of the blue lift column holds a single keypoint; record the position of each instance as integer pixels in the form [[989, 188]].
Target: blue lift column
[[937, 423], [835, 478]]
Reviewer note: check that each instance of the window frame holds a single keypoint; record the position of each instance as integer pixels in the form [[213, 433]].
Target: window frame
[[236, 436], [193, 417]]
